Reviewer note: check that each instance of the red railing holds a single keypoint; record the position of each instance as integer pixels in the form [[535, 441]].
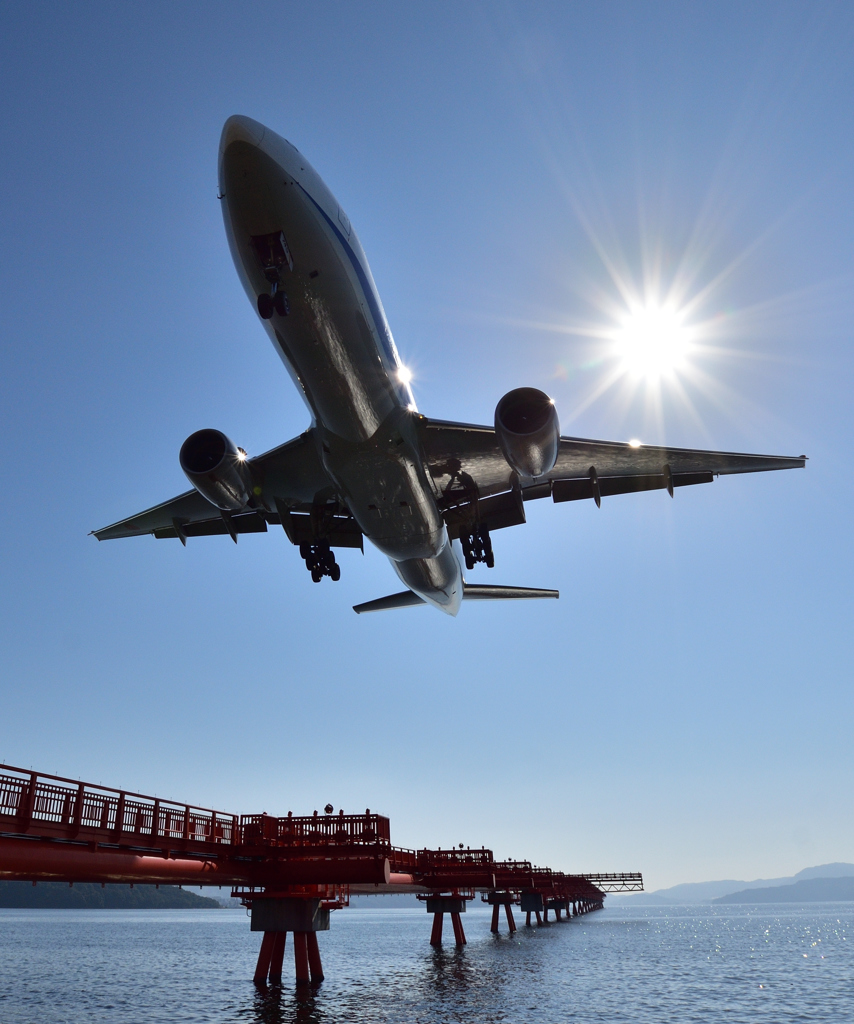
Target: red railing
[[316, 830], [49, 805], [453, 860]]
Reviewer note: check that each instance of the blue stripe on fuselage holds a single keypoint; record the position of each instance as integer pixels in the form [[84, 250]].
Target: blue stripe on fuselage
[[376, 315]]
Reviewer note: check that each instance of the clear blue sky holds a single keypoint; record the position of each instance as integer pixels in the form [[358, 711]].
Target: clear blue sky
[[686, 707]]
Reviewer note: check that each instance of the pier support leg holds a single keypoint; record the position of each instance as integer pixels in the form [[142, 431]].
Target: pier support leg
[[277, 956], [436, 934], [301, 958], [459, 934], [263, 965], [495, 909], [511, 923], [539, 919], [545, 915], [528, 919], [314, 965]]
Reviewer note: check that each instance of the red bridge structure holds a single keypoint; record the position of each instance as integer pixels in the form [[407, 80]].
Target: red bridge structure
[[291, 872]]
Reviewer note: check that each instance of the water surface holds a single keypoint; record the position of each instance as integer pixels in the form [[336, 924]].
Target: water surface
[[774, 963]]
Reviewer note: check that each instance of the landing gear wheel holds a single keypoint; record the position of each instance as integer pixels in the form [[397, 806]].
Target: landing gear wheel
[[280, 301], [316, 574], [266, 306], [477, 547], [335, 572]]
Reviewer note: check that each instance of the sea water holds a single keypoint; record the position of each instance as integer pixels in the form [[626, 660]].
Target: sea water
[[774, 963]]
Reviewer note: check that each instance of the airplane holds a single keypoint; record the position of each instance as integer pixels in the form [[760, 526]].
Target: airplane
[[427, 493]]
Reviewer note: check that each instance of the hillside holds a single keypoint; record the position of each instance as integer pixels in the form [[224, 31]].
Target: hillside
[[705, 892], [89, 896], [808, 890]]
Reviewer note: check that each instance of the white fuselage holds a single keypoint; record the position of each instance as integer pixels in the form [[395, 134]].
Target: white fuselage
[[337, 346]]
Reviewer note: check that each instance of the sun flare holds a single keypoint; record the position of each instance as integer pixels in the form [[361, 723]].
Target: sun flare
[[652, 341]]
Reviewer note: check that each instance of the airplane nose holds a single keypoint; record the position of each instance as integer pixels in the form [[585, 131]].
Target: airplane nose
[[241, 129]]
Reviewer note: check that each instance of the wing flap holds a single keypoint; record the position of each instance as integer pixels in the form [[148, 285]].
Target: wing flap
[[245, 522], [575, 490]]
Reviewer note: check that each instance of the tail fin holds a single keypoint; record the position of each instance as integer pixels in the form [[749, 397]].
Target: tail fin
[[471, 592]]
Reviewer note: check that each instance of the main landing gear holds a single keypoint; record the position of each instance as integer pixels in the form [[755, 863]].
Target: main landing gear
[[320, 561], [477, 547]]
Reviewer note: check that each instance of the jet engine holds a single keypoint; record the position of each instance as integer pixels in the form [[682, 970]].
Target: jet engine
[[528, 431], [215, 466]]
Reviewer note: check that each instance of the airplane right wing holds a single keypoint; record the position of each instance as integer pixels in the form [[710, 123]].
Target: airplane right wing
[[475, 483]]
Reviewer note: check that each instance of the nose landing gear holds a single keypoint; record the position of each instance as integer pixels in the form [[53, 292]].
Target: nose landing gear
[[274, 302], [477, 547], [273, 254], [320, 561]]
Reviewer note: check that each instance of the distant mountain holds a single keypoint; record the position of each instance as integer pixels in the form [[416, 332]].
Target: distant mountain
[[89, 896], [706, 892], [807, 890]]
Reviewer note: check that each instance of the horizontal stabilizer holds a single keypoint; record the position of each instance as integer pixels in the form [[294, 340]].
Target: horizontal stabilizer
[[486, 592], [471, 592], [404, 600]]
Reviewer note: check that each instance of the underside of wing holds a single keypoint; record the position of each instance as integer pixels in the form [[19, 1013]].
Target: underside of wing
[[288, 482], [475, 484]]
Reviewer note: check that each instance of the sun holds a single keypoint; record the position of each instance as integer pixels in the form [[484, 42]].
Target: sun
[[652, 341]]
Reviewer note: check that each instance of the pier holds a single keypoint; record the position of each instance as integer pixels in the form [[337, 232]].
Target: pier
[[291, 872]]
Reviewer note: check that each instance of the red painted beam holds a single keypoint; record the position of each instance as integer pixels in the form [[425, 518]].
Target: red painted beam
[[34, 860]]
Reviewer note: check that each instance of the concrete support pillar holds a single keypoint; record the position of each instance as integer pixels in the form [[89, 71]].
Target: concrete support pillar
[[510, 922], [436, 934]]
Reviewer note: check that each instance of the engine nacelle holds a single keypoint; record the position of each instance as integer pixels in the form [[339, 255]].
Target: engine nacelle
[[215, 467], [528, 431]]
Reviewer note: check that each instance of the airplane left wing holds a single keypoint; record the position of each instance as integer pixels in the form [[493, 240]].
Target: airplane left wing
[[288, 482], [474, 483]]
